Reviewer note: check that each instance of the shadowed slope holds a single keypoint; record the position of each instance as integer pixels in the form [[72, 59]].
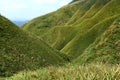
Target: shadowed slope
[[20, 50]]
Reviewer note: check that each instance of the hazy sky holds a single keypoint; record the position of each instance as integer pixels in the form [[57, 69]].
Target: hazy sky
[[28, 9]]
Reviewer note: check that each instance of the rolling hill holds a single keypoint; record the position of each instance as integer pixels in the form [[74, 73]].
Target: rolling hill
[[20, 50], [87, 22], [19, 22]]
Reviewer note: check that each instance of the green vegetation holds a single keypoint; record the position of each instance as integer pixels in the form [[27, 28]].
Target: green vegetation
[[69, 72], [84, 32], [58, 18], [85, 35], [20, 50], [86, 39], [106, 49], [87, 23]]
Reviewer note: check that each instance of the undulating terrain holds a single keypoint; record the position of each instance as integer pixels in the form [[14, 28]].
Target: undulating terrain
[[80, 36], [79, 26]]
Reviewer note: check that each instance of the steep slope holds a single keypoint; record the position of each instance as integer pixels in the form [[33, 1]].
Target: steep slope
[[86, 10], [80, 42], [60, 31], [91, 11], [90, 19], [58, 37], [42, 24], [22, 51], [106, 48]]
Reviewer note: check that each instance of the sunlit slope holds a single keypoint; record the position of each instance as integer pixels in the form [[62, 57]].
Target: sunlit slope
[[20, 50], [98, 5], [82, 10], [41, 25], [77, 45], [59, 36], [86, 10], [106, 48], [89, 20]]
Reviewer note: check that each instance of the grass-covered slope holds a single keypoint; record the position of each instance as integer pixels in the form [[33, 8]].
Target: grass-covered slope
[[88, 20], [58, 36], [86, 10], [20, 50], [41, 25], [76, 47], [82, 9], [97, 6], [106, 48], [80, 42]]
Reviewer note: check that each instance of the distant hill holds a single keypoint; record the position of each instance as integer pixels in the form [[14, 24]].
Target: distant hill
[[73, 28], [19, 23], [20, 50]]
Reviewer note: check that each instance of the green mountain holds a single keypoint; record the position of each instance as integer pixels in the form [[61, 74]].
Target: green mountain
[[73, 28], [20, 50]]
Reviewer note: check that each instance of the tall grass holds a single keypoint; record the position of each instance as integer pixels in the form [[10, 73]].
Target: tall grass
[[72, 72]]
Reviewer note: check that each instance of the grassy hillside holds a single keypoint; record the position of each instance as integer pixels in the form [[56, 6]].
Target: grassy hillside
[[81, 42], [20, 50], [56, 21], [58, 37], [83, 39], [42, 24], [86, 31], [106, 48], [89, 19], [84, 7], [90, 7], [62, 37], [93, 9]]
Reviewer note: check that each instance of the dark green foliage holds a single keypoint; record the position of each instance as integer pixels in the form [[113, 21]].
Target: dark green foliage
[[22, 51]]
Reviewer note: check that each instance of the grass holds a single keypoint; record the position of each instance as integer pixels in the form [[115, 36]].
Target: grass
[[82, 9], [57, 37], [71, 72], [86, 31], [20, 50], [53, 19], [84, 25], [82, 40], [106, 48], [96, 7]]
